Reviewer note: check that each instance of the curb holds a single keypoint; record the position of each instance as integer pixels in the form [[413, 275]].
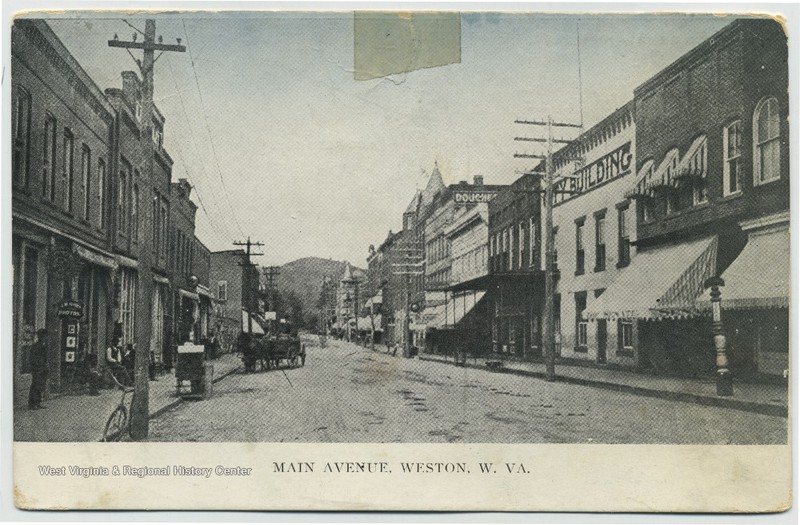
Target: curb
[[699, 399], [169, 406]]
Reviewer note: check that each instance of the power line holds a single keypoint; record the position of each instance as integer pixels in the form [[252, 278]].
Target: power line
[[227, 234], [210, 137]]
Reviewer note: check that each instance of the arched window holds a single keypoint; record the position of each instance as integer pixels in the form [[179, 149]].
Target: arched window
[[766, 141]]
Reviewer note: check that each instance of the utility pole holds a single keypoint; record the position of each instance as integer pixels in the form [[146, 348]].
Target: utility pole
[[270, 275], [548, 328], [140, 421], [412, 262], [250, 293]]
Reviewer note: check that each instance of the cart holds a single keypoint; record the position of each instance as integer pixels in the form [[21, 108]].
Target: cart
[[270, 351], [193, 377]]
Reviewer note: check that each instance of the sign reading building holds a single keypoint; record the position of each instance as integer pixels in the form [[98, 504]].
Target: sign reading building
[[616, 164], [473, 196]]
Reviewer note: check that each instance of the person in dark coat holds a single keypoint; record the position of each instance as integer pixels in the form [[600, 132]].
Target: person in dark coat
[[38, 363]]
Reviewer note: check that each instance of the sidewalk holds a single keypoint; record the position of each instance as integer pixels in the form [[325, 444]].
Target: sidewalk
[[760, 398], [81, 417]]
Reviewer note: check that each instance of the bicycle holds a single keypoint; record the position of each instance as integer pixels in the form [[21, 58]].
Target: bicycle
[[118, 421]]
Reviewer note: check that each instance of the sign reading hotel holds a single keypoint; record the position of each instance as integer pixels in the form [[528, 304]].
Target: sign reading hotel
[[616, 164], [473, 196]]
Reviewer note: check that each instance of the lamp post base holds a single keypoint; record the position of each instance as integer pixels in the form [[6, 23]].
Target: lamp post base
[[724, 383]]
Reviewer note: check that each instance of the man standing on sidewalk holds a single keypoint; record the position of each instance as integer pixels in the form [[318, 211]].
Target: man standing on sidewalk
[[38, 362]]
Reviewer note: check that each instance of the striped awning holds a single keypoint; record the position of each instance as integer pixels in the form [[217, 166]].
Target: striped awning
[[661, 283], [761, 276], [458, 307]]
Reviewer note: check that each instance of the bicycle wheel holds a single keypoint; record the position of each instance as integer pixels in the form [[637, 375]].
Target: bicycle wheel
[[116, 424]]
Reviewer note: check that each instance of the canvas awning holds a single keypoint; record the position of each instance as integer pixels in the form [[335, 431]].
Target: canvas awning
[[458, 307], [427, 318], [204, 291], [256, 326], [691, 153], [761, 276], [661, 283], [96, 257], [160, 280], [190, 295], [376, 299]]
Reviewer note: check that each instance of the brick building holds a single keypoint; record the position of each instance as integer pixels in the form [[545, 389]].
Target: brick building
[[515, 284], [63, 130], [234, 282], [712, 194]]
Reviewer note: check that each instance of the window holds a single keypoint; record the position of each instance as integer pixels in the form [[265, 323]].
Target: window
[[128, 305], [510, 255], [625, 335], [581, 326], [135, 213], [101, 190], [531, 242], [138, 111], [22, 137], [521, 242], [158, 137], [222, 290], [579, 248], [155, 225], [623, 236], [121, 201], [68, 169], [164, 227], [49, 159], [86, 180], [672, 197], [766, 141], [600, 241], [732, 158], [698, 165]]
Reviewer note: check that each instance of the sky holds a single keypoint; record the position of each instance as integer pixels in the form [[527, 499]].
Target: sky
[[265, 120]]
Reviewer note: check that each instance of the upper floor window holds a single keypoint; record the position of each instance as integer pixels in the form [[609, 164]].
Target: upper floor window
[[531, 241], [672, 197], [49, 159], [623, 236], [732, 158], [101, 190], [766, 143], [121, 201], [580, 252], [698, 165], [600, 241], [68, 173], [222, 290], [22, 137], [135, 213], [86, 180]]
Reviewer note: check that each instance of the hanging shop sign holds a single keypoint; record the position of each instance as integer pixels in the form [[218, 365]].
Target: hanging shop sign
[[70, 309]]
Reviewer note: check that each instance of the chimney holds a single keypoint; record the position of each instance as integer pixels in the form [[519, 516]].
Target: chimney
[[131, 87], [462, 183], [477, 180]]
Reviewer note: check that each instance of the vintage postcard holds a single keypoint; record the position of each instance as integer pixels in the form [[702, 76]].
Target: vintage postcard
[[373, 260]]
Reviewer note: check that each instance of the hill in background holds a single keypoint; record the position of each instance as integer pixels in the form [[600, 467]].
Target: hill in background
[[303, 277]]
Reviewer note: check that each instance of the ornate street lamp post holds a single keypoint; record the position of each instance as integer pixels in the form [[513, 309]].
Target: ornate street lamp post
[[724, 379]]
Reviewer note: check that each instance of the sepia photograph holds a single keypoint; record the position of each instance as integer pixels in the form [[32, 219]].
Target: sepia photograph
[[396, 228]]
